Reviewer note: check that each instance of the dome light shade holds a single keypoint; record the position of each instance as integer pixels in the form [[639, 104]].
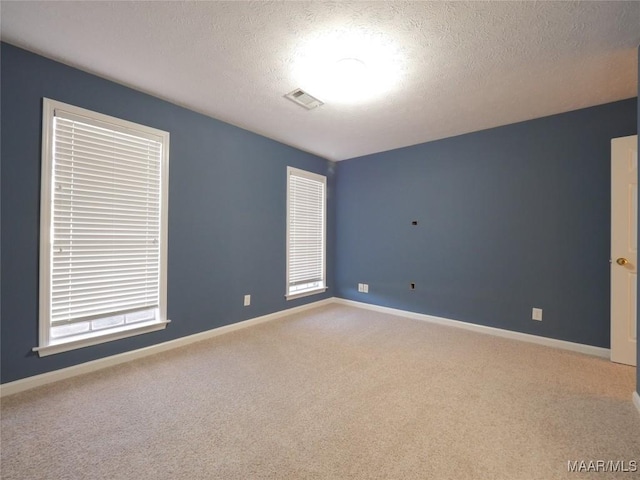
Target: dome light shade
[[350, 69], [348, 66], [348, 78]]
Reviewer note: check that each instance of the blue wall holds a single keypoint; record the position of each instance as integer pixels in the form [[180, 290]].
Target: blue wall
[[227, 203], [509, 218]]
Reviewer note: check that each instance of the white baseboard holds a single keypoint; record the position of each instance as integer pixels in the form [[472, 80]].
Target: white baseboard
[[636, 400], [28, 383], [499, 332]]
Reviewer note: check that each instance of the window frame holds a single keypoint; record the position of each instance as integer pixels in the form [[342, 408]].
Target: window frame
[[47, 345], [323, 180]]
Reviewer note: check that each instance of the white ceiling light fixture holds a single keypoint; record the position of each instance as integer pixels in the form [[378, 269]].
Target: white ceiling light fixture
[[506, 62], [348, 65], [348, 78]]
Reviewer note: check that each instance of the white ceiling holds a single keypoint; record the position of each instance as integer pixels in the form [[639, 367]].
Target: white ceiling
[[460, 66]]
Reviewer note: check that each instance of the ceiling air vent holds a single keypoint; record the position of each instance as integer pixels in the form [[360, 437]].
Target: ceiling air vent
[[304, 99]]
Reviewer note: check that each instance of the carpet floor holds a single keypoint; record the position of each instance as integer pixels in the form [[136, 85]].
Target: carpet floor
[[331, 393]]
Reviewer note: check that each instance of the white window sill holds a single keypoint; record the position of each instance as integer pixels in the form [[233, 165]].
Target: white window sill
[[306, 293], [96, 338]]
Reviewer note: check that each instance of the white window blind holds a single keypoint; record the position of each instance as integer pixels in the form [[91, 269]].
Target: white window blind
[[107, 229], [305, 232]]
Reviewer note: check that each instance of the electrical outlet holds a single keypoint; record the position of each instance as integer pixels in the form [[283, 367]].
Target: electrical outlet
[[247, 300], [365, 287], [360, 287], [536, 314]]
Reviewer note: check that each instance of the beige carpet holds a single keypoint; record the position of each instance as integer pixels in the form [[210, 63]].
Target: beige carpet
[[332, 393]]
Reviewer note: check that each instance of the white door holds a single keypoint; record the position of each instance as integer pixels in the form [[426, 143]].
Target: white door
[[624, 252]]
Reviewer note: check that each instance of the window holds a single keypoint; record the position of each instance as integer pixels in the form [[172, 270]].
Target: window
[[306, 213], [103, 230]]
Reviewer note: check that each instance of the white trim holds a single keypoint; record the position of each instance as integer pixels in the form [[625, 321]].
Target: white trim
[[636, 400], [51, 109], [114, 123], [28, 383], [48, 109], [320, 179], [315, 291], [101, 337], [498, 332], [164, 224]]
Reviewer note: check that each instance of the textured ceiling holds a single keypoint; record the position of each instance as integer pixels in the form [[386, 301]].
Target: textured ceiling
[[457, 67]]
